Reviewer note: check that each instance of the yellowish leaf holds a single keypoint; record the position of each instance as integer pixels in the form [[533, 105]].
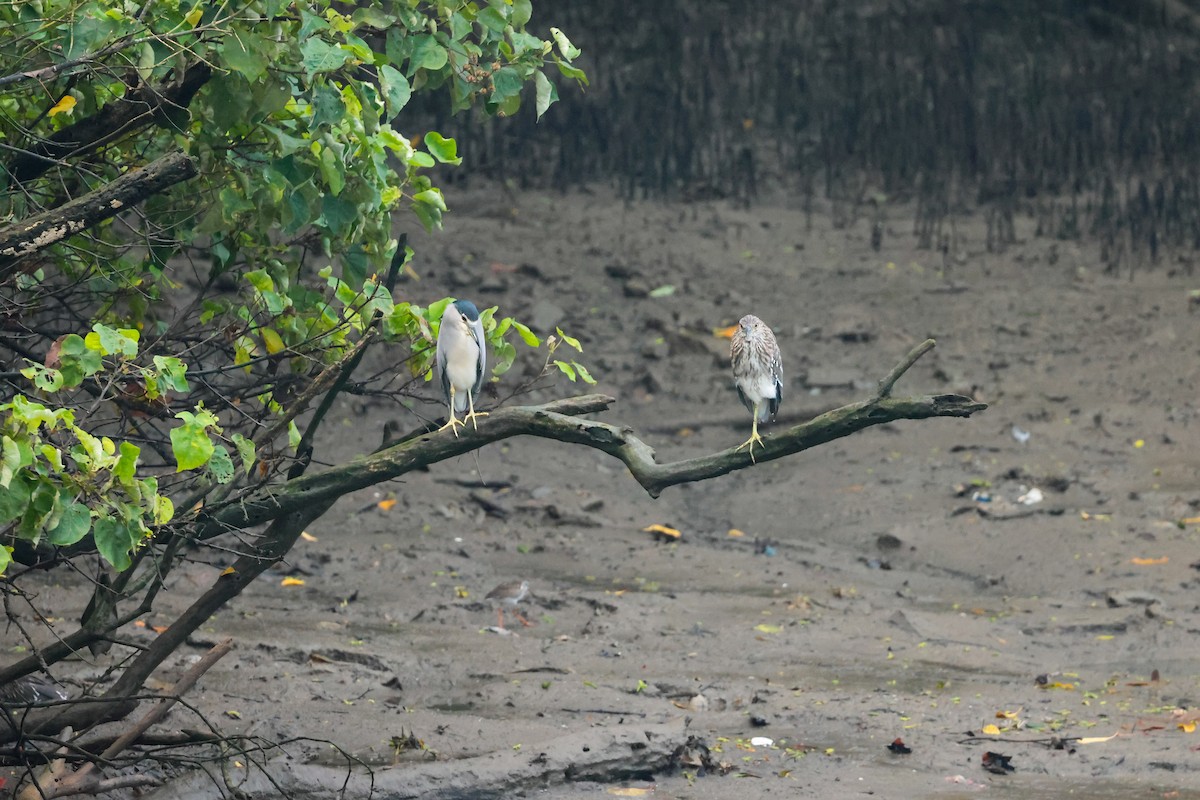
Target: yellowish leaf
[[1188, 727], [630, 791], [1008, 714], [670, 533], [290, 581], [1139, 444], [63, 106], [272, 341], [990, 730], [765, 628], [1096, 739], [1190, 521], [233, 714], [228, 571], [193, 17], [388, 504], [736, 534], [308, 537], [1150, 562]]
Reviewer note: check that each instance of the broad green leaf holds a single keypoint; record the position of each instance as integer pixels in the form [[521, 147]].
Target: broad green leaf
[[164, 510], [126, 464], [506, 83], [396, 89], [172, 373], [221, 465], [115, 539], [5, 557], [522, 10], [443, 149], [433, 197], [245, 52], [15, 498], [73, 524], [190, 443], [547, 94], [246, 451], [426, 54], [584, 375], [10, 460], [318, 55], [293, 435]]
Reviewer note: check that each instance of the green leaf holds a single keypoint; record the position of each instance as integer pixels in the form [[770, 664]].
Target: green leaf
[[245, 52], [190, 443], [426, 54], [126, 464], [293, 435], [221, 465], [569, 51], [15, 499], [573, 342], [318, 55], [172, 373], [566, 368], [492, 19], [246, 451], [10, 460], [522, 10], [443, 149], [115, 539], [5, 557], [164, 510], [584, 375], [547, 94], [432, 197], [506, 83], [396, 89], [527, 336], [663, 291], [73, 525]]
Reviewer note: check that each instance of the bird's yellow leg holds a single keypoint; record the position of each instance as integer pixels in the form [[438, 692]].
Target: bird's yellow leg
[[472, 414], [754, 437], [454, 421]]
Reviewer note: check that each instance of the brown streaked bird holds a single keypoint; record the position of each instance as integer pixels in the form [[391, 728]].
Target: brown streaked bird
[[757, 373], [509, 594]]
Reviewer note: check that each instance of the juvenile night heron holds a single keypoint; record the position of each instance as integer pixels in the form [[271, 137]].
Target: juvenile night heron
[[509, 594], [461, 361], [757, 373]]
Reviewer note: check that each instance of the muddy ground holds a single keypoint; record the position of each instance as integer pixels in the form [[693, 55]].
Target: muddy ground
[[869, 596]]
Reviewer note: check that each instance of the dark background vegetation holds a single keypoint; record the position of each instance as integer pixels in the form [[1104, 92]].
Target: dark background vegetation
[[1079, 113]]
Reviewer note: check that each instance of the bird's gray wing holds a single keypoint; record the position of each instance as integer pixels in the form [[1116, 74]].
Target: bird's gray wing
[[481, 364], [440, 359], [777, 376]]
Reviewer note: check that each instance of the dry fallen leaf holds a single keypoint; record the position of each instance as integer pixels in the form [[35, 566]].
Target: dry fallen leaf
[[630, 791], [990, 730], [228, 571], [1148, 562], [290, 581], [388, 504], [663, 530], [1096, 739], [765, 628], [1187, 727], [735, 533], [308, 537]]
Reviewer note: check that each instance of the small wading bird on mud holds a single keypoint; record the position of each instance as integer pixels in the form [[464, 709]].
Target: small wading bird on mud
[[461, 362], [757, 373], [509, 594]]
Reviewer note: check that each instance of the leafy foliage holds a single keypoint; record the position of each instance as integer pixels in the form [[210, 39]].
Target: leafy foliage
[[168, 351]]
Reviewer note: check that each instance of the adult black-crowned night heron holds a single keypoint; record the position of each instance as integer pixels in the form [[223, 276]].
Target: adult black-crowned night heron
[[509, 594], [461, 361], [757, 373]]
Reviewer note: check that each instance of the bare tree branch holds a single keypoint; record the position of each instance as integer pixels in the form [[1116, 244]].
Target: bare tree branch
[[50, 227]]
